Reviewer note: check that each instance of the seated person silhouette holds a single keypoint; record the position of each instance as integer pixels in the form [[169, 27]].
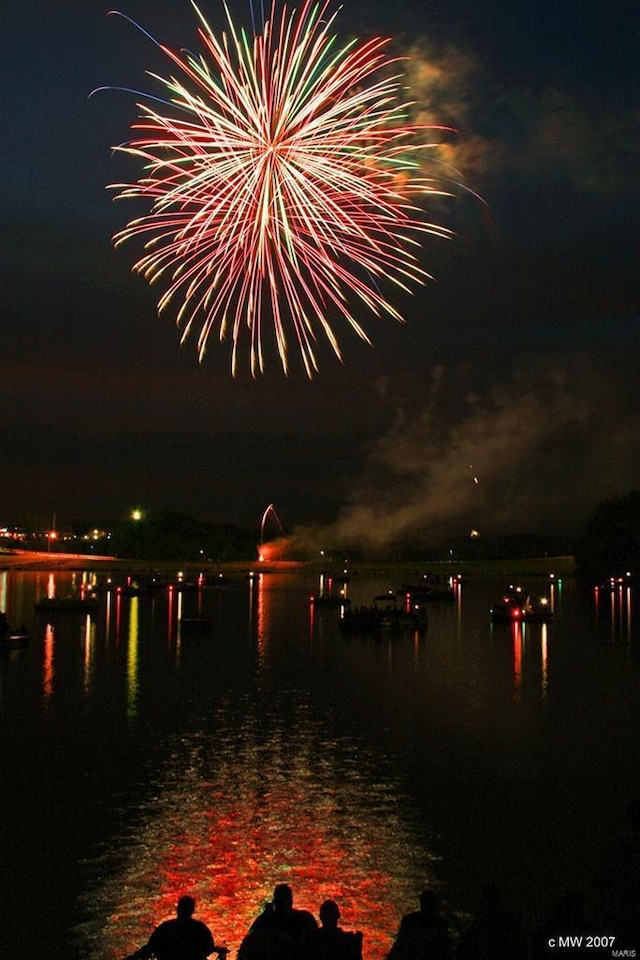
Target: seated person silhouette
[[182, 938], [495, 933], [423, 933], [331, 942], [279, 930]]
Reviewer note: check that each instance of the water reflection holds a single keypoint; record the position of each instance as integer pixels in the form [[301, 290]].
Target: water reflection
[[89, 654], [544, 659], [133, 657], [525, 640], [47, 663], [517, 641], [258, 600], [244, 808], [615, 599], [270, 753]]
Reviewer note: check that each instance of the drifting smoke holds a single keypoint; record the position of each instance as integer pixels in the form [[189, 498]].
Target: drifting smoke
[[532, 456], [499, 131], [447, 85]]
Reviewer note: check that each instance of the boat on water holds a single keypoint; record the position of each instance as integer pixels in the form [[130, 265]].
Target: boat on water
[[215, 580], [12, 638], [431, 588], [385, 616], [330, 600], [130, 589], [516, 606]]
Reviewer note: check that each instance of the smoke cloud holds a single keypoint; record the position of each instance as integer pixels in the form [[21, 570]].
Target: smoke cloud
[[532, 455], [500, 131]]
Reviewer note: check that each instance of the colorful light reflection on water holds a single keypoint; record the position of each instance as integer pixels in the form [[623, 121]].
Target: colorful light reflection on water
[[278, 751], [259, 792], [237, 812]]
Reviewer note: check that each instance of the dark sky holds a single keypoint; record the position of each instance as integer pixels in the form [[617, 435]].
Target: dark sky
[[517, 367]]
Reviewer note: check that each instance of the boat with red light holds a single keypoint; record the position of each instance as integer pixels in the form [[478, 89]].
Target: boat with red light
[[516, 606]]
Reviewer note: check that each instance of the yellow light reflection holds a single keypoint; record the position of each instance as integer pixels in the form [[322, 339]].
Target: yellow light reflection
[[89, 653], [133, 658], [544, 659], [107, 616], [261, 619]]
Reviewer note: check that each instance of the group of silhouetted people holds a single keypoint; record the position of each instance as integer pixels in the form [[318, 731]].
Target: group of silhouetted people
[[493, 934], [280, 932]]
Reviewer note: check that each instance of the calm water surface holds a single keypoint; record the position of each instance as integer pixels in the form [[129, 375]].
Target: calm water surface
[[139, 762]]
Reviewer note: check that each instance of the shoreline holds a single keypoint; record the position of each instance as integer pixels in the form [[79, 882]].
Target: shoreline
[[531, 566]]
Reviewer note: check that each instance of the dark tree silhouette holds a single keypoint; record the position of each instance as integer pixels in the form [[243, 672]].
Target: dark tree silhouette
[[610, 545]]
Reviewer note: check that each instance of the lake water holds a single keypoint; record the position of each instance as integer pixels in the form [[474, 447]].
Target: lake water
[[139, 762]]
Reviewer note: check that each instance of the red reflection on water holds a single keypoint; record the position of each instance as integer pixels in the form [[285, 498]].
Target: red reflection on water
[[516, 630], [232, 869], [48, 671], [257, 812], [231, 815]]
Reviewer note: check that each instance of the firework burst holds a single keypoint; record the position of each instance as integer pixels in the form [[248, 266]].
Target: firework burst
[[283, 182]]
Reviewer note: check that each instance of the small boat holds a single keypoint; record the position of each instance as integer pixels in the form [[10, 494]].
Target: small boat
[[516, 607], [386, 599], [14, 639], [342, 578], [330, 600], [184, 586], [10, 638], [390, 618], [215, 580], [132, 589], [432, 588]]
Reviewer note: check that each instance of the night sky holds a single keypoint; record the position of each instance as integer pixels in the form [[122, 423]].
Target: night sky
[[509, 401]]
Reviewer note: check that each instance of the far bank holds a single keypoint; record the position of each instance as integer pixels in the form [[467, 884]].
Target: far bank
[[504, 567]]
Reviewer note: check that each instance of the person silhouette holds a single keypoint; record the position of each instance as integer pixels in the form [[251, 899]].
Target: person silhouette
[[331, 942], [424, 933], [279, 930], [182, 938], [568, 917], [495, 933]]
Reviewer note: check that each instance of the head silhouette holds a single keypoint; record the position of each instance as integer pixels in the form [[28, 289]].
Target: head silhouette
[[186, 906], [428, 901], [329, 914], [283, 898]]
